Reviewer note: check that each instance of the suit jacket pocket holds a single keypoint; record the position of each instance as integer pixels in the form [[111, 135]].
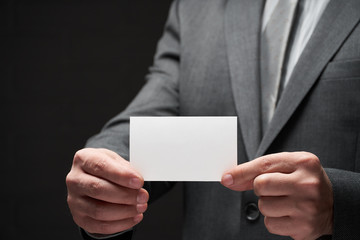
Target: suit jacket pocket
[[342, 69]]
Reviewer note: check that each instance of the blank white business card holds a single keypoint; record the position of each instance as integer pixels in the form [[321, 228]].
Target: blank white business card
[[183, 148]]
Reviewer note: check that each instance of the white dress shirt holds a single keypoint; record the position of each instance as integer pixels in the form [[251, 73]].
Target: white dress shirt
[[309, 14]]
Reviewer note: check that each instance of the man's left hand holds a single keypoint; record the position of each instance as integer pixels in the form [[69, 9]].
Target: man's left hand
[[295, 194]]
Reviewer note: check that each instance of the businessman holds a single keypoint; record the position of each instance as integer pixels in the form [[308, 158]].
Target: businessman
[[290, 71]]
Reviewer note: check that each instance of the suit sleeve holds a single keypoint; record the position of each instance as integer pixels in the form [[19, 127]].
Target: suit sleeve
[[158, 97], [346, 192]]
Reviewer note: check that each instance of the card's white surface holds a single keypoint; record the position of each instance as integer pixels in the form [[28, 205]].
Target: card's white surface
[[183, 148]]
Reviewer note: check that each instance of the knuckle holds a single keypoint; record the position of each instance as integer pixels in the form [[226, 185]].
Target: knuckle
[[78, 156], [260, 184], [314, 163], [97, 211], [302, 158], [95, 188], [71, 180], [267, 164], [261, 206], [98, 166], [90, 160], [79, 221], [92, 225], [307, 228], [104, 227], [84, 222], [308, 159], [270, 225], [74, 207], [295, 236], [311, 186], [69, 200]]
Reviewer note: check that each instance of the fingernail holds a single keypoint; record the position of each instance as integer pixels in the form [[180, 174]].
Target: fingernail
[[227, 180], [142, 197], [141, 208], [135, 183], [138, 218]]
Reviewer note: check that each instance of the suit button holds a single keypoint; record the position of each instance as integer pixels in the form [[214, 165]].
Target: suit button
[[252, 212]]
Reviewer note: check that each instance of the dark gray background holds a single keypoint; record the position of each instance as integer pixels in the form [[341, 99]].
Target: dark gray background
[[66, 68]]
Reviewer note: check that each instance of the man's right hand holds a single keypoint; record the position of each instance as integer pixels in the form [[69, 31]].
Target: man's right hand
[[105, 193]]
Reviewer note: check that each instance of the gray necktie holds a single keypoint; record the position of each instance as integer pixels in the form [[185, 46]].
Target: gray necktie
[[273, 47]]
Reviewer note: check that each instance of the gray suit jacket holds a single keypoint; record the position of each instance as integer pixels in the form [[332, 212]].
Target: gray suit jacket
[[207, 64]]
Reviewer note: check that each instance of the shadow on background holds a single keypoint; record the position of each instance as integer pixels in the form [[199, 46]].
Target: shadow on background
[[68, 67]]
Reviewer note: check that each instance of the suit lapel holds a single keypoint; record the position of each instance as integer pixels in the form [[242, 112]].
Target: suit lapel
[[337, 22], [242, 27]]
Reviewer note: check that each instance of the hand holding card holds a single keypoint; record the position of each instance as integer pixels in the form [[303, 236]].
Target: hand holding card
[[183, 148]]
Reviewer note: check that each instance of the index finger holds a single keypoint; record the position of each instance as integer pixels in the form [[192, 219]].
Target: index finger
[[241, 177], [108, 165]]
